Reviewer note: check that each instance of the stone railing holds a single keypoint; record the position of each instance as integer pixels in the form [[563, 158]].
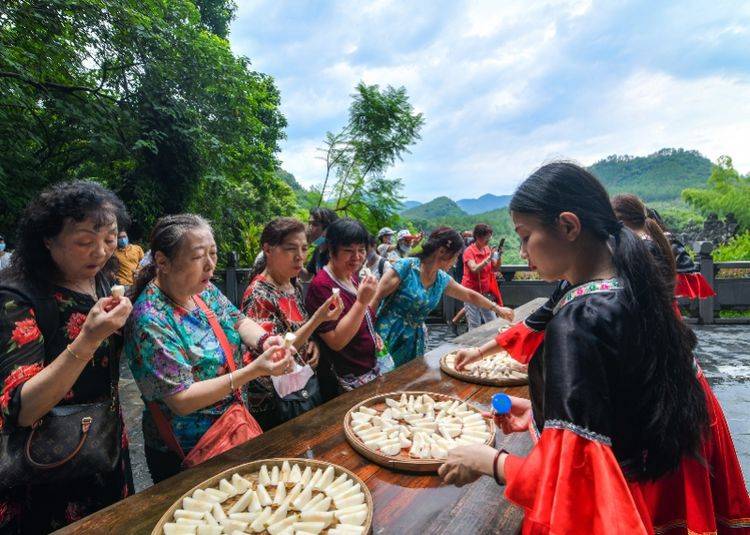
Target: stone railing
[[732, 293]]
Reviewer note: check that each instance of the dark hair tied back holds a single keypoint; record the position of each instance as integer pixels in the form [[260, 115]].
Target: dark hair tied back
[[444, 237], [166, 238], [274, 233]]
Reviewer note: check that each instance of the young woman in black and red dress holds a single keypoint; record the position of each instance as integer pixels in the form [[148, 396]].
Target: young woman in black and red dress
[[631, 438], [690, 283], [632, 212]]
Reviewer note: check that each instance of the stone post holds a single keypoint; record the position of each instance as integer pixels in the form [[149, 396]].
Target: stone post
[[706, 263]]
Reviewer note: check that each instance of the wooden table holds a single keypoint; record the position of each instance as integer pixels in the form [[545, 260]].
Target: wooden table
[[405, 503]]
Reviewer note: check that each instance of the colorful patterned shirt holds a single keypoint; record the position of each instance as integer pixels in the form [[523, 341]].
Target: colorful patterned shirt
[[278, 313], [169, 348]]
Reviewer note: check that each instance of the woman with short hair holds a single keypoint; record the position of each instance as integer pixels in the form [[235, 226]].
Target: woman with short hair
[[60, 344], [176, 356], [349, 344], [480, 264]]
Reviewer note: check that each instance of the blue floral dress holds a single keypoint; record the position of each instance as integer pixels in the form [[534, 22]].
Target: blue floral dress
[[402, 314], [169, 349]]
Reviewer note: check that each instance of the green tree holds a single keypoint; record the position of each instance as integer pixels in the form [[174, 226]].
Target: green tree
[[147, 97], [728, 192], [382, 125]]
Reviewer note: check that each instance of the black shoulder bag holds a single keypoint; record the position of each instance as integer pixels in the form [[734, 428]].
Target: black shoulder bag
[[70, 441]]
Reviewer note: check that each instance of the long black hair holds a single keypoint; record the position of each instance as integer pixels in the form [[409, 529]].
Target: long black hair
[[444, 237], [44, 218], [671, 407], [167, 237]]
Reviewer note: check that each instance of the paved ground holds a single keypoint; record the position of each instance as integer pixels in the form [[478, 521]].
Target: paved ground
[[724, 354]]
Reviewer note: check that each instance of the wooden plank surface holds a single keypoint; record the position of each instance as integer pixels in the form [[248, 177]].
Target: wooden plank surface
[[404, 502]]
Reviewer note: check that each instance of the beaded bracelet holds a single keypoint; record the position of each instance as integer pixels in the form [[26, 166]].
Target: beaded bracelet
[[494, 466]]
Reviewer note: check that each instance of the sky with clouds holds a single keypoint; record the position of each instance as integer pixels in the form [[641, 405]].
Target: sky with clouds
[[506, 85]]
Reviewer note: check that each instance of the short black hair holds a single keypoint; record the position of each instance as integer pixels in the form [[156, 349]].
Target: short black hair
[[481, 230], [324, 216], [346, 231]]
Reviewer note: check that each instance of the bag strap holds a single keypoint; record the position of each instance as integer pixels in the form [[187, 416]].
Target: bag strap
[[104, 289], [165, 428], [381, 265], [218, 331], [221, 336], [160, 420]]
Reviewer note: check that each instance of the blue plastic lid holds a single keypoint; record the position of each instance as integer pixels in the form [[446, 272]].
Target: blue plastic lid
[[501, 403]]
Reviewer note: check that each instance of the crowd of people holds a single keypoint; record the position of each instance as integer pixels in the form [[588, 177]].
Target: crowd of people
[[628, 427]]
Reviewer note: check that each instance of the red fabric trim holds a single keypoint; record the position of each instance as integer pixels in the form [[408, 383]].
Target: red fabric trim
[[513, 464], [693, 286], [697, 497], [568, 484], [520, 342]]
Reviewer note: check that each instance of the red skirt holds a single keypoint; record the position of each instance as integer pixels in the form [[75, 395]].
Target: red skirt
[[569, 484], [693, 286], [700, 498]]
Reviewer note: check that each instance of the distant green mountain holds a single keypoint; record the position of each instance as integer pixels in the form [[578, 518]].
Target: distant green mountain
[[436, 208], [485, 203], [288, 177], [659, 176], [408, 205]]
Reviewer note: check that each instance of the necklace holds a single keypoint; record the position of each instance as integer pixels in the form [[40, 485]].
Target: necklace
[[285, 288], [174, 301], [350, 287], [86, 288]]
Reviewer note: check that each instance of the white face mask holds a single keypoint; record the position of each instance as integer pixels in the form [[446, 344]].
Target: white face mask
[[404, 248]]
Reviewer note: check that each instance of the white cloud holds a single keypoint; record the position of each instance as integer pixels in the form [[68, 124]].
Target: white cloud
[[505, 86], [302, 159]]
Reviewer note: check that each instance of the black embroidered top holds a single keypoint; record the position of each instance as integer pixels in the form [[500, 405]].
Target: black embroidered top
[[578, 377], [684, 262]]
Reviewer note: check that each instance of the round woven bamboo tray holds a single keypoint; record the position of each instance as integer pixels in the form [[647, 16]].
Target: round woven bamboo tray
[[250, 471], [449, 370], [402, 461]]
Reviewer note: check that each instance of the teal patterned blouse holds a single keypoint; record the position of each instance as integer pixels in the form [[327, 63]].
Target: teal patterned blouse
[[169, 348], [401, 316]]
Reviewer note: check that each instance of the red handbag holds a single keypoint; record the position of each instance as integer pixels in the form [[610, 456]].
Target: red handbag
[[236, 426]]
